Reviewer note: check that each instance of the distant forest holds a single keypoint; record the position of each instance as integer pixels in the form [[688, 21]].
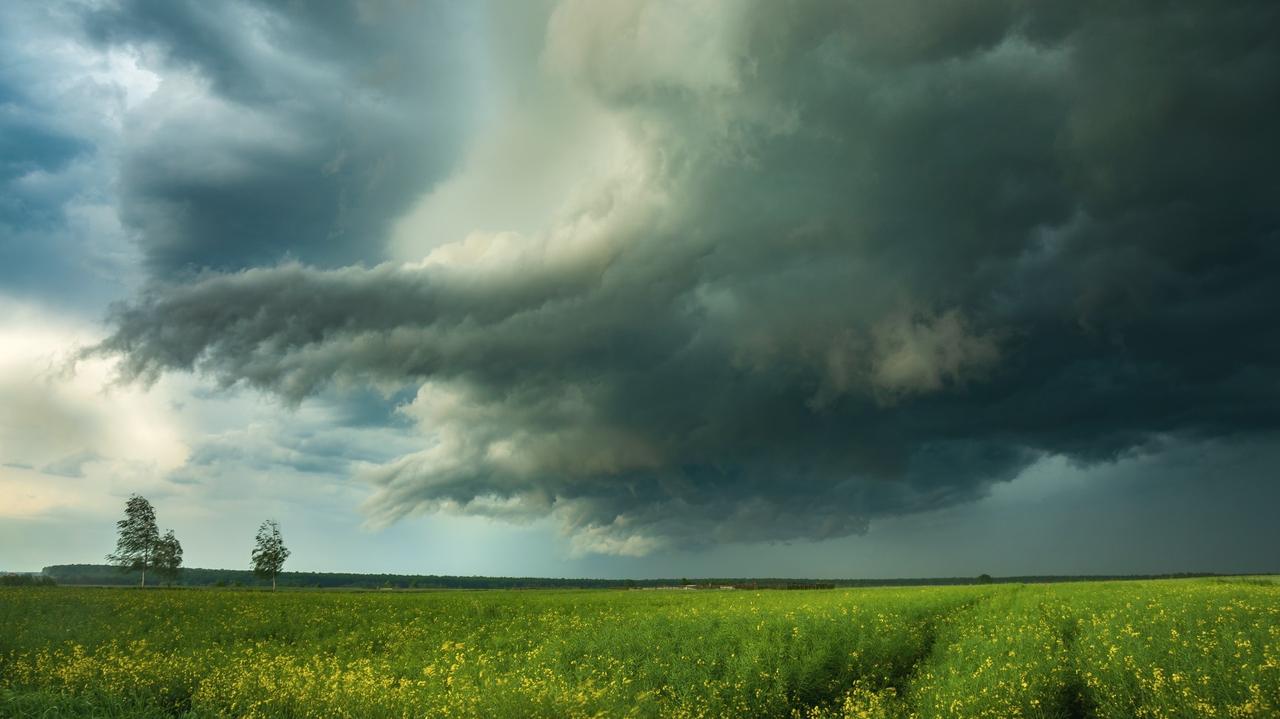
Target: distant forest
[[107, 575]]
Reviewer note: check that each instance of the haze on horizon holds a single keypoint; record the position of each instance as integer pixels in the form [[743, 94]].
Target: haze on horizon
[[644, 288]]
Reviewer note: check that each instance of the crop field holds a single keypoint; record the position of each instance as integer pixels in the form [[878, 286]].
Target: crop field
[[1184, 648]]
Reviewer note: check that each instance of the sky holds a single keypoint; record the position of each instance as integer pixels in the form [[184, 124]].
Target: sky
[[645, 288]]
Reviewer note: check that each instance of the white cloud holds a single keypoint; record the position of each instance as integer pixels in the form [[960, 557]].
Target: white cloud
[[920, 353], [642, 46], [544, 150], [68, 434]]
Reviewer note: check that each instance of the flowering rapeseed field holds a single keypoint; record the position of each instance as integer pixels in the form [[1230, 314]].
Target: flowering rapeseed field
[[1194, 648]]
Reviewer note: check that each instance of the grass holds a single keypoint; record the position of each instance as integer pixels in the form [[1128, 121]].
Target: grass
[[1184, 648]]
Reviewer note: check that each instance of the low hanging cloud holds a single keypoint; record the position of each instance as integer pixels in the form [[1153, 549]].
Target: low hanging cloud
[[857, 260]]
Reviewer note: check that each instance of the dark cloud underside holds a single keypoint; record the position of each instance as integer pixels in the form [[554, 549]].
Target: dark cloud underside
[[874, 259]]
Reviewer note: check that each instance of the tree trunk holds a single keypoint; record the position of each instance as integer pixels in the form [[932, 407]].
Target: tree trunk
[[144, 577], [273, 581]]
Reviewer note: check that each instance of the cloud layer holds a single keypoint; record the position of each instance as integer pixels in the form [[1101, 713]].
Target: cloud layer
[[850, 261], [285, 129]]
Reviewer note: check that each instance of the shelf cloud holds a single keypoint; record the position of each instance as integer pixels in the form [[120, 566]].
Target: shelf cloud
[[847, 260]]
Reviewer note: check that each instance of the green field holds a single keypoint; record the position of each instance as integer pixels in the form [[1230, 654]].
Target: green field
[[1185, 648]]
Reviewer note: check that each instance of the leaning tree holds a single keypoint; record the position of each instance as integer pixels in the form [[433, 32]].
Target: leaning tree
[[139, 538], [269, 552]]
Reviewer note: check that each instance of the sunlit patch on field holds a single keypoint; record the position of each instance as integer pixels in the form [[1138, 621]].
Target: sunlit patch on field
[[1124, 649]]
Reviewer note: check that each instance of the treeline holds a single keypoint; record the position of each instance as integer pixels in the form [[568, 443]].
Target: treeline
[[107, 575], [26, 580]]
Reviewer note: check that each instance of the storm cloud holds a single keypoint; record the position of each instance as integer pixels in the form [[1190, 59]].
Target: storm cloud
[[854, 260], [286, 129]]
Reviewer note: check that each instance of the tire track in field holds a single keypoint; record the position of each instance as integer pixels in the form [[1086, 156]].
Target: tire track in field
[[1075, 699], [1059, 693], [906, 699], [1056, 686], [890, 690]]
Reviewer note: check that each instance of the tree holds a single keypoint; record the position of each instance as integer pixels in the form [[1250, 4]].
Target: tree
[[168, 559], [139, 537], [269, 553]]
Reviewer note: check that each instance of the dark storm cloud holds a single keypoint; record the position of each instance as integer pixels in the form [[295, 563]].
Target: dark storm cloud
[[26, 146], [56, 240], [29, 208], [874, 258], [309, 126]]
